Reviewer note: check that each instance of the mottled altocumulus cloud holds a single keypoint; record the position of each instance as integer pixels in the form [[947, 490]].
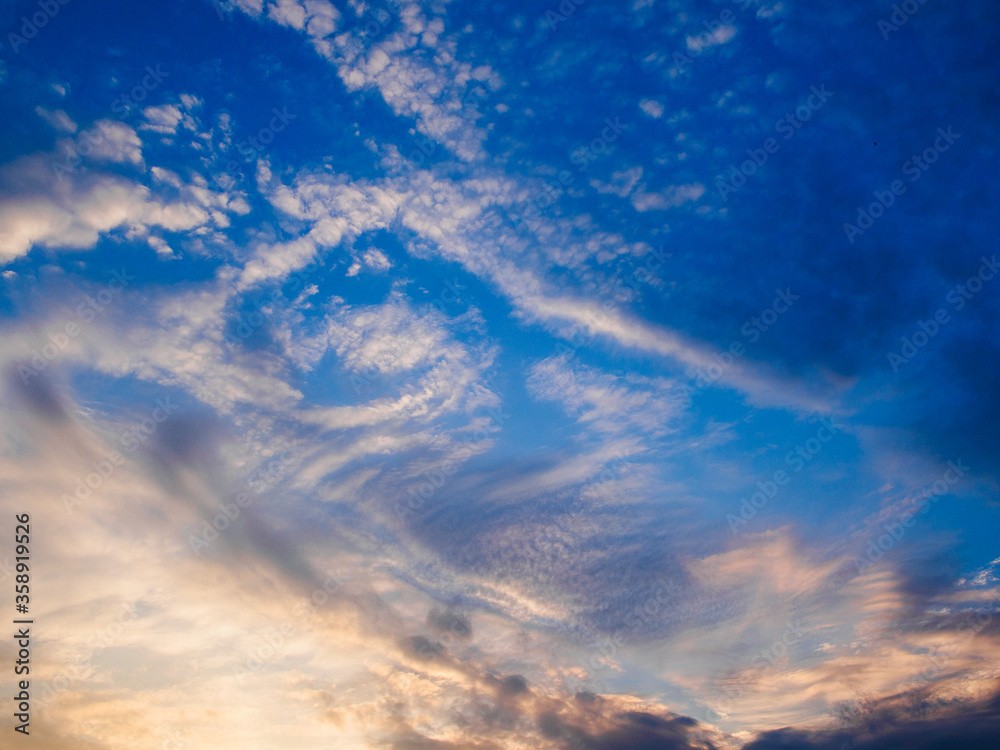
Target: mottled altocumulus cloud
[[421, 375]]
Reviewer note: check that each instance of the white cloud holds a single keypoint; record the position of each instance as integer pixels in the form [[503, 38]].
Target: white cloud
[[625, 406], [669, 198], [166, 176], [58, 119], [109, 140], [621, 182], [652, 107], [720, 35], [432, 89], [162, 119], [72, 210], [288, 13], [450, 221]]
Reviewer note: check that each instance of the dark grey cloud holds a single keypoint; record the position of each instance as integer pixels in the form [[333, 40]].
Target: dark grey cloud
[[37, 394], [449, 621], [513, 684], [914, 723], [631, 730]]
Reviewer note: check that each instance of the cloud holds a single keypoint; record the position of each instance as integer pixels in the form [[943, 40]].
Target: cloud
[[721, 35], [58, 119], [651, 107], [909, 720], [109, 140], [622, 182], [162, 119], [433, 90], [627, 406], [673, 196]]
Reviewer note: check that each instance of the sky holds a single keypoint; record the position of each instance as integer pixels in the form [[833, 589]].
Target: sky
[[442, 375]]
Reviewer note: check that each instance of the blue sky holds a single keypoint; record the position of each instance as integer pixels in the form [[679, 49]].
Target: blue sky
[[618, 375]]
